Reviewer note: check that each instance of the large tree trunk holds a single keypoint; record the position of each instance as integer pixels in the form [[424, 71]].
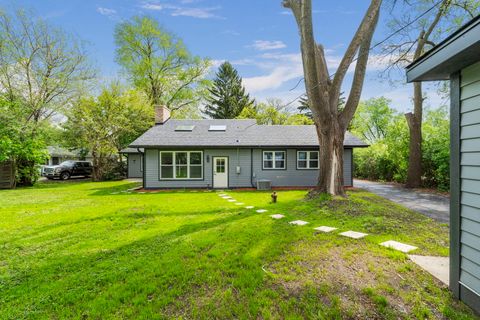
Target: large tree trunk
[[414, 120], [330, 178], [324, 93]]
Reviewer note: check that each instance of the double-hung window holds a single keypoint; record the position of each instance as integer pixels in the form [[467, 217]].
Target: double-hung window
[[307, 159], [181, 165], [274, 160]]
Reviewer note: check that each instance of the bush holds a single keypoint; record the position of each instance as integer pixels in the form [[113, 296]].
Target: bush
[[115, 170], [387, 157]]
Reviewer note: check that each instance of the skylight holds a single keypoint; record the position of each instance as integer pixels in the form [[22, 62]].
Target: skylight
[[184, 128], [217, 128]]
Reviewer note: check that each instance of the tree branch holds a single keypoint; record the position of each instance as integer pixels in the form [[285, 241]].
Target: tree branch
[[366, 24], [360, 69]]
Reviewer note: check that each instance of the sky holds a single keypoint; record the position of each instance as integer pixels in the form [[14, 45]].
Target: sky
[[259, 37]]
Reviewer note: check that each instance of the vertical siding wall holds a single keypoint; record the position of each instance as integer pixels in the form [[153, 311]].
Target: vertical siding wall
[[241, 158], [470, 177]]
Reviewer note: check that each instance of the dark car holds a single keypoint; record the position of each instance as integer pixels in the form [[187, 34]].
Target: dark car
[[68, 169]]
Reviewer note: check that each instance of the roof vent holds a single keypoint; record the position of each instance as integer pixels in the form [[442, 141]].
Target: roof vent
[[184, 128], [217, 128]]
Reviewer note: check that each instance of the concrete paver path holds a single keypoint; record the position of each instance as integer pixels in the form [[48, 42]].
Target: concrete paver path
[[434, 206]]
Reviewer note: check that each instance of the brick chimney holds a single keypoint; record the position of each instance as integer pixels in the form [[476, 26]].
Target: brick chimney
[[162, 114]]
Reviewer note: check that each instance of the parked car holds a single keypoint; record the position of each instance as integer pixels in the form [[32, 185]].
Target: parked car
[[68, 169]]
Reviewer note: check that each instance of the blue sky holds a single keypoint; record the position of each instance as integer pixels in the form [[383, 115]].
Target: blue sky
[[259, 37]]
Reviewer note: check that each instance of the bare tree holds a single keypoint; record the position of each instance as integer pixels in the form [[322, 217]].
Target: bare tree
[[409, 44], [324, 93], [40, 65]]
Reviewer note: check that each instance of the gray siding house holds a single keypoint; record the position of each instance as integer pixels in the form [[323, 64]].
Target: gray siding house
[[457, 59], [232, 154]]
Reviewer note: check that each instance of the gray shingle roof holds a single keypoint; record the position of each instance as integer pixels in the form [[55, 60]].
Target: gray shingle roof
[[131, 150], [239, 133]]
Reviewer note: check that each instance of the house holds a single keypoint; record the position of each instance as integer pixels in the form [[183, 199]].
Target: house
[[232, 154], [57, 155], [457, 59], [134, 162]]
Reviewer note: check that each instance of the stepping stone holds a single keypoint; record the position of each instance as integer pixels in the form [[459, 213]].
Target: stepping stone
[[437, 266], [353, 234], [115, 193], [222, 195], [239, 203], [298, 222], [398, 246], [325, 229], [232, 200], [249, 207], [142, 192], [227, 197], [261, 210], [277, 216]]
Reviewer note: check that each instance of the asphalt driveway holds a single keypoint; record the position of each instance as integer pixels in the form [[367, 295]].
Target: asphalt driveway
[[434, 206]]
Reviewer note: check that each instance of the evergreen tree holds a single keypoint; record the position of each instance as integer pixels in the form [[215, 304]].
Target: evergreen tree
[[227, 97]]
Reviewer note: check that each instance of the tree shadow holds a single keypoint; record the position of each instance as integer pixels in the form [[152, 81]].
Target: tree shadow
[[155, 270]]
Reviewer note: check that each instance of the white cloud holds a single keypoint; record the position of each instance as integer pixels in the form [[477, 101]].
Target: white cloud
[[152, 6], [106, 11], [200, 13], [180, 10], [281, 68], [265, 45]]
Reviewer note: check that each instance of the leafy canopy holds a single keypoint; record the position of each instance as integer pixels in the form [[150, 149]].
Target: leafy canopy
[[159, 64], [108, 123]]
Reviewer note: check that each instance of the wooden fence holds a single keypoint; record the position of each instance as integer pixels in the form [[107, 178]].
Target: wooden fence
[[7, 177]]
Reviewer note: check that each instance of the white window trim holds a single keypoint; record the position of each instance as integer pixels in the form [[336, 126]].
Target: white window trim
[[308, 160], [273, 160], [174, 165]]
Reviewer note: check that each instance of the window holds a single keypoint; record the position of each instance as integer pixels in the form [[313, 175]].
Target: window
[[185, 128], [220, 165], [273, 159], [181, 165], [307, 160], [217, 128]]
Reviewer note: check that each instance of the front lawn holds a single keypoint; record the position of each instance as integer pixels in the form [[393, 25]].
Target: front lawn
[[88, 250]]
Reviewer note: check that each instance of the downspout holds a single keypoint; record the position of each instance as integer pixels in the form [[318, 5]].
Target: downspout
[[143, 172], [251, 168]]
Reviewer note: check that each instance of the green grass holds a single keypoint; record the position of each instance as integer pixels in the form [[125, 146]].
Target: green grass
[[75, 250]]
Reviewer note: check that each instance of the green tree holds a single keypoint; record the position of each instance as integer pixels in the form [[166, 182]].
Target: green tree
[[273, 112], [108, 123], [417, 37], [227, 97], [18, 144], [41, 71], [159, 64], [372, 119]]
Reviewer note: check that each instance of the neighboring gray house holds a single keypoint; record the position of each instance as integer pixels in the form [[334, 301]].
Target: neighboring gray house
[[57, 155], [458, 58], [232, 154], [134, 162]]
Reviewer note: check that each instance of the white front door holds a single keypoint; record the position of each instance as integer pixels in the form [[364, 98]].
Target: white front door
[[220, 172]]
